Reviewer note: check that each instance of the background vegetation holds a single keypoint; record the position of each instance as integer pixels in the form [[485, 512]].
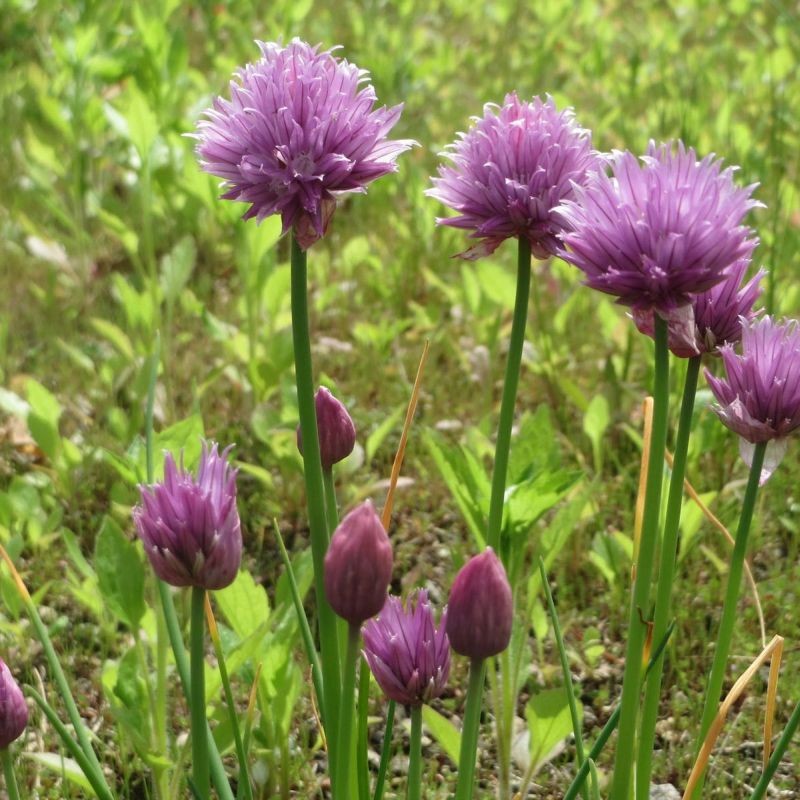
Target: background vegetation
[[109, 232]]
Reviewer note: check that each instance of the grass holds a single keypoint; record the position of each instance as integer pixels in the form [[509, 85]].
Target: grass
[[101, 191]]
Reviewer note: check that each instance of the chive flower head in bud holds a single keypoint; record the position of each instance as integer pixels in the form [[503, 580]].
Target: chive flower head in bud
[[13, 708], [337, 433], [510, 170], [299, 130], [190, 526], [358, 565], [760, 396], [407, 653], [480, 610], [714, 317], [659, 229]]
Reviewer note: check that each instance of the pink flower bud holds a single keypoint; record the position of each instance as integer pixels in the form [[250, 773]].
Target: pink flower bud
[[480, 610], [337, 434], [13, 709], [358, 566]]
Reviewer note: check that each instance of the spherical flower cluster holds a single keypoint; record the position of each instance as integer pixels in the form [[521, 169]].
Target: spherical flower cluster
[[510, 170], [190, 527], [760, 396], [299, 130], [713, 318], [660, 229], [408, 655], [13, 708]]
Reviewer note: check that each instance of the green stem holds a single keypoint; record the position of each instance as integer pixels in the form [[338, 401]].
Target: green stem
[[573, 709], [631, 684], [343, 748], [8, 771], [728, 622], [200, 768], [160, 716], [469, 730], [158, 770], [362, 763], [315, 494], [331, 509], [777, 755], [415, 755], [509, 394], [666, 578], [386, 752]]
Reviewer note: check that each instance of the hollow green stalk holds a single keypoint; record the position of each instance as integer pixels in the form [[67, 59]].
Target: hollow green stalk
[[386, 752], [331, 509], [610, 727], [640, 602], [508, 401], [562, 652], [666, 578], [777, 755], [469, 730], [415, 755], [315, 493], [342, 774], [200, 768], [8, 771], [362, 763], [728, 621]]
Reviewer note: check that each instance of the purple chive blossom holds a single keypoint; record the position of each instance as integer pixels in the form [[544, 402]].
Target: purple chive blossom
[[13, 708], [299, 130], [510, 170], [190, 527], [408, 655], [714, 318], [760, 398], [659, 230]]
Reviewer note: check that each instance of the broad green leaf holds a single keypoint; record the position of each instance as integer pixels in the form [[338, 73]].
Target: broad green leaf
[[378, 436], [244, 604], [59, 765], [114, 335], [549, 723], [120, 573], [43, 417], [596, 420], [177, 267], [448, 736]]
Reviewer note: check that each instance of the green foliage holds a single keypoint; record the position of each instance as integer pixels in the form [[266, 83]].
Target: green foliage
[[549, 723]]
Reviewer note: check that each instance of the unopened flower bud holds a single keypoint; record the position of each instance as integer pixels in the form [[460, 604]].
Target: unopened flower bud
[[13, 709], [337, 434], [480, 610], [358, 566]]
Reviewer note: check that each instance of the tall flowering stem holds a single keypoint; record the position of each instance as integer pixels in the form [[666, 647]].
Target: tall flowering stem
[[509, 398], [470, 729], [8, 772], [342, 779], [415, 755], [200, 769], [315, 493], [725, 636], [629, 704], [666, 577]]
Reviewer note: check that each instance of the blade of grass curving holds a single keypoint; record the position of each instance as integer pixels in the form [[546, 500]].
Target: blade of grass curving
[[81, 731], [93, 774], [302, 621], [562, 653], [772, 696], [213, 631], [777, 755], [386, 748]]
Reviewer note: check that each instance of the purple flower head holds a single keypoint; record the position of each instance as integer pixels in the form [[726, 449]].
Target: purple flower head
[[190, 527], [660, 229], [13, 708], [408, 655], [299, 130], [714, 317], [358, 565], [510, 170], [760, 398], [337, 434], [480, 610]]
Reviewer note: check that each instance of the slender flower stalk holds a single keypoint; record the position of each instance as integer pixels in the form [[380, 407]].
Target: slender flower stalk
[[415, 755], [386, 752], [666, 577], [470, 729], [342, 783], [640, 601], [8, 773], [200, 761]]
